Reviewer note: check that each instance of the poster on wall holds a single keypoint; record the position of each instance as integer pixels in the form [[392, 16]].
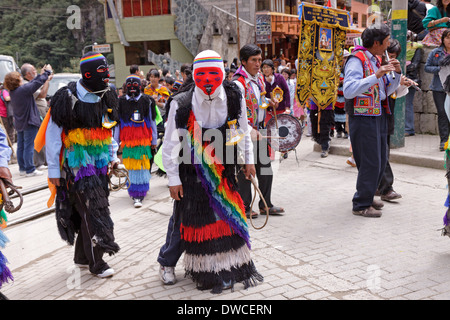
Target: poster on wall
[[263, 29], [321, 49]]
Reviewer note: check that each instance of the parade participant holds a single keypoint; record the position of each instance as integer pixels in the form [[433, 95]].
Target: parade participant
[[367, 85], [171, 251], [5, 154], [80, 149], [214, 228], [138, 136], [251, 83], [386, 189]]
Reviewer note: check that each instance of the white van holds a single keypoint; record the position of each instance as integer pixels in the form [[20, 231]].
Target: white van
[[7, 64]]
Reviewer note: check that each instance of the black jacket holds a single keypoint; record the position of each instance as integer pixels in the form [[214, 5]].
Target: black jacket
[[417, 11]]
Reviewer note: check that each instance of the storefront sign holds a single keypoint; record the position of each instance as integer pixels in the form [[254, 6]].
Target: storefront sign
[[263, 29]]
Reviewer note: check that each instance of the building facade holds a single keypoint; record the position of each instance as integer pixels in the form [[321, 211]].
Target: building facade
[[168, 33]]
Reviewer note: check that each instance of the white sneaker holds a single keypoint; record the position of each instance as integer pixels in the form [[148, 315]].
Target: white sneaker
[[34, 173], [42, 167], [137, 203], [22, 173], [167, 275], [106, 274]]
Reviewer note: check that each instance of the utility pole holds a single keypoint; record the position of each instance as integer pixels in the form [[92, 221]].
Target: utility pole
[[399, 28], [237, 26]]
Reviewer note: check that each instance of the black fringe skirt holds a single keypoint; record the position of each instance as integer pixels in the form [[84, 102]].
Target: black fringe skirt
[[215, 257]]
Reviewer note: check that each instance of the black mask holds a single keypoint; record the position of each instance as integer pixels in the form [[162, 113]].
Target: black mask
[[133, 85], [95, 72]]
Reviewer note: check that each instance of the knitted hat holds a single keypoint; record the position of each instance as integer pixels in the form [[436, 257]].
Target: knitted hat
[[208, 58], [95, 71], [206, 81]]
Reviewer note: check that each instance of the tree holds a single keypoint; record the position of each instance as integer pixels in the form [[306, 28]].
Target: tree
[[36, 31]]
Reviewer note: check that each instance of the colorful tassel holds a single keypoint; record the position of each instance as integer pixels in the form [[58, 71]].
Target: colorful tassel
[[5, 273], [136, 138]]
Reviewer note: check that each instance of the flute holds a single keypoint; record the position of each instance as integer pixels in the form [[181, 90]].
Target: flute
[[387, 60]]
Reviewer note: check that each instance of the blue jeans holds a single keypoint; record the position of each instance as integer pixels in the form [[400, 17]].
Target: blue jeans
[[172, 249], [25, 148], [409, 111]]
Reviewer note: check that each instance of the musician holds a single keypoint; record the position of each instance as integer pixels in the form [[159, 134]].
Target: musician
[[80, 149], [5, 154], [214, 230], [367, 86], [251, 83]]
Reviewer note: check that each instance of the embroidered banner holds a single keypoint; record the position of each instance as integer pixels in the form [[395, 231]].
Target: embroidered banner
[[320, 52]]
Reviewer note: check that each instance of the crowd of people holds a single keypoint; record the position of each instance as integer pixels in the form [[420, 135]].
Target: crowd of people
[[89, 130]]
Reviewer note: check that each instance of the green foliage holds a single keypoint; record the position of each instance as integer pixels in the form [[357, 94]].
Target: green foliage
[[36, 31]]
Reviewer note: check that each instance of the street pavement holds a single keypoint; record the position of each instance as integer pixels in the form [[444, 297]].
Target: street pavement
[[317, 251]]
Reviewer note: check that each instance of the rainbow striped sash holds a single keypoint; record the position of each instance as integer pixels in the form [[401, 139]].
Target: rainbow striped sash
[[226, 203]]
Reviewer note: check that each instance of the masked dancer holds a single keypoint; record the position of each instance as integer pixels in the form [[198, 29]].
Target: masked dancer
[[80, 149], [137, 136], [214, 228]]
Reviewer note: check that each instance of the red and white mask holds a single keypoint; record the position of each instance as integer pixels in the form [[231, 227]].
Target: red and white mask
[[208, 73]]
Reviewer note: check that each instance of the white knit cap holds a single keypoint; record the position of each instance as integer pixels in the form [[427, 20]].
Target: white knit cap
[[209, 58]]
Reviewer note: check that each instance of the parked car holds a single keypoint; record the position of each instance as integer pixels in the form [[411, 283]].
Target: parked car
[[7, 64], [61, 80]]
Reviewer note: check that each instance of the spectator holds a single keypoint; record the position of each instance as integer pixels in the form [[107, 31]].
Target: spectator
[[29, 73], [417, 11], [414, 54], [235, 64], [439, 95], [7, 118], [436, 22], [26, 116], [134, 69]]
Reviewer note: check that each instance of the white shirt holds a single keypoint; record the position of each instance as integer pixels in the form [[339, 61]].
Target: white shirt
[[209, 114]]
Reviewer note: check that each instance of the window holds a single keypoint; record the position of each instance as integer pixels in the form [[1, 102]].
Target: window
[[139, 8], [290, 7], [263, 5], [137, 52], [355, 18], [364, 20]]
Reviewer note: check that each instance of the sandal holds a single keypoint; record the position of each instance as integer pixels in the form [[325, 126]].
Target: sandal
[[273, 211], [254, 214]]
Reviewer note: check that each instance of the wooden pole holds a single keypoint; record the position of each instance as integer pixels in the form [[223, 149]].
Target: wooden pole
[[237, 26]]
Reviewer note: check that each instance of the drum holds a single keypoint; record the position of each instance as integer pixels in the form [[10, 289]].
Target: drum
[[288, 135]]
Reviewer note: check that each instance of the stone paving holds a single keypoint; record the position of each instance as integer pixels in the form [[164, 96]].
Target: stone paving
[[317, 251]]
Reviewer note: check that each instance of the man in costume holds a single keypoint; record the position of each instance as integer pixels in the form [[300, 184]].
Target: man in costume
[[138, 136], [214, 228], [171, 250], [80, 149], [367, 86], [251, 83], [5, 154]]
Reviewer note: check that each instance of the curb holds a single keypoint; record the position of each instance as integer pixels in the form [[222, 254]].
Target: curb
[[394, 157]]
